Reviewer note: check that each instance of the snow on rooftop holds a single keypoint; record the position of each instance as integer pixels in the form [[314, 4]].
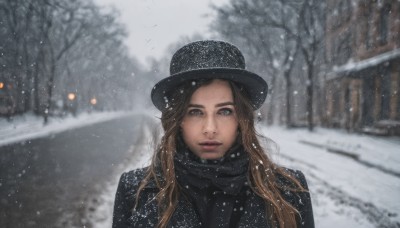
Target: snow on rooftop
[[371, 62]]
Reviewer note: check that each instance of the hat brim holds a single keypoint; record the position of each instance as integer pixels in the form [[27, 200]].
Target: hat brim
[[255, 86]]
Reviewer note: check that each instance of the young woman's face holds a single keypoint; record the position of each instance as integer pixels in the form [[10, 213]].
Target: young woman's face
[[210, 125]]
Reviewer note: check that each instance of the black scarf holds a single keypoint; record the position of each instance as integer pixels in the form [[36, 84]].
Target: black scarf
[[216, 187]]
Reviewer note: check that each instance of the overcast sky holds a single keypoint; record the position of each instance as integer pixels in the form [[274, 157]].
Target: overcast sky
[[154, 24]]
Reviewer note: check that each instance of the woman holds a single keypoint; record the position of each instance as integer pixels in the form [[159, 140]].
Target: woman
[[209, 169]]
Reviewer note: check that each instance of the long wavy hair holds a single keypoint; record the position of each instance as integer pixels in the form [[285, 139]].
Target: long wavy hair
[[262, 172]]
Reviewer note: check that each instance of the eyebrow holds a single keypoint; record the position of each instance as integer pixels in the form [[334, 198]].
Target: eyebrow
[[224, 104], [217, 105]]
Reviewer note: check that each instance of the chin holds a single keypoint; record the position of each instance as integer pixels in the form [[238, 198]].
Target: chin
[[211, 156]]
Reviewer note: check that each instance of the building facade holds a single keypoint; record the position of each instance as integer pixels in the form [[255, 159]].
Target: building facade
[[363, 51]]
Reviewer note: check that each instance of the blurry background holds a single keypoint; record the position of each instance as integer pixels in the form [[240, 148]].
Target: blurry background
[[76, 76]]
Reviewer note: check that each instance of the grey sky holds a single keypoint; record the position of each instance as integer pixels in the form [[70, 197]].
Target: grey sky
[[154, 24]]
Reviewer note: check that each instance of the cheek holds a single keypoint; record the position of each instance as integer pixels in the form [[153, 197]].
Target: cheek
[[191, 125], [188, 130], [231, 130]]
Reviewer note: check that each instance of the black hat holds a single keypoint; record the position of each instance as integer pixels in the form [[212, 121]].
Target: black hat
[[209, 59]]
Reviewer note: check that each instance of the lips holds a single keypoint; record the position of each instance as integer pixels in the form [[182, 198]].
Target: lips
[[209, 145]]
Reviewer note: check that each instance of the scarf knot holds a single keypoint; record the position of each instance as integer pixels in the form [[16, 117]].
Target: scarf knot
[[228, 174]]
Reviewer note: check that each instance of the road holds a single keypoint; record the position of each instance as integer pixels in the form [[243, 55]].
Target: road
[[43, 182]]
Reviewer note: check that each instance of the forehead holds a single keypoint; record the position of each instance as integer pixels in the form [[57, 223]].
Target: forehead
[[215, 92]]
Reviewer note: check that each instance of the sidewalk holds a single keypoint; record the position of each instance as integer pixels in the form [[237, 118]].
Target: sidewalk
[[352, 178], [379, 152], [29, 126]]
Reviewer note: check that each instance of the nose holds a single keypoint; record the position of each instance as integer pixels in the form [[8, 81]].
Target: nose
[[210, 126]]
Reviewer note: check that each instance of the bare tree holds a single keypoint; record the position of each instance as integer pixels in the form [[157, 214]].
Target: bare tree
[[268, 36], [49, 42], [276, 32], [311, 35]]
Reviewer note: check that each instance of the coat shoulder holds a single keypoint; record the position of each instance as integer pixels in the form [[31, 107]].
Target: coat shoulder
[[133, 178], [124, 214], [130, 181], [294, 173], [301, 200]]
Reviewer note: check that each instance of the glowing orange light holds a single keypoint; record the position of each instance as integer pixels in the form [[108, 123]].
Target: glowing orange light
[[1, 85], [93, 101], [71, 96]]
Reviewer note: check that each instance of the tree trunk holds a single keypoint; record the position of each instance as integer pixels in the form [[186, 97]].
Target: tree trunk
[[271, 110], [36, 106], [288, 98], [28, 77], [50, 86], [310, 97]]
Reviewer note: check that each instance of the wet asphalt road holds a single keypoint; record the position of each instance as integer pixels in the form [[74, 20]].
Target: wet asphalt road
[[44, 179]]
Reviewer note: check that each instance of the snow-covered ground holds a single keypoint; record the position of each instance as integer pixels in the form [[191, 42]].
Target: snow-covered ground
[[30, 126], [346, 191], [354, 179]]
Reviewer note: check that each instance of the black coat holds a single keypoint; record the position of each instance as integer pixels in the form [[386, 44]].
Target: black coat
[[185, 215]]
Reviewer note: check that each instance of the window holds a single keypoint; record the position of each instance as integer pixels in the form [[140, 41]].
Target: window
[[343, 49], [368, 30], [341, 8], [348, 10], [384, 24], [344, 10], [385, 93], [398, 95], [368, 100]]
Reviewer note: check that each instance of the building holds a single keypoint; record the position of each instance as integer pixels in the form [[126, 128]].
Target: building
[[7, 98], [363, 51]]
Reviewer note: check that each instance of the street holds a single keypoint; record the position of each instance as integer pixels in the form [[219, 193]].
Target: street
[[44, 182]]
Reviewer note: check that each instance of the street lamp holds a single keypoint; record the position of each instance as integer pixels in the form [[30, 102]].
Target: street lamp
[[71, 96], [93, 101]]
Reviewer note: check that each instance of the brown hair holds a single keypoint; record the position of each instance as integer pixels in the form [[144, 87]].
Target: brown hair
[[262, 172]]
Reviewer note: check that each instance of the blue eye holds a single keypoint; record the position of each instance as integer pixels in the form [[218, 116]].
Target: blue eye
[[195, 112], [225, 112]]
